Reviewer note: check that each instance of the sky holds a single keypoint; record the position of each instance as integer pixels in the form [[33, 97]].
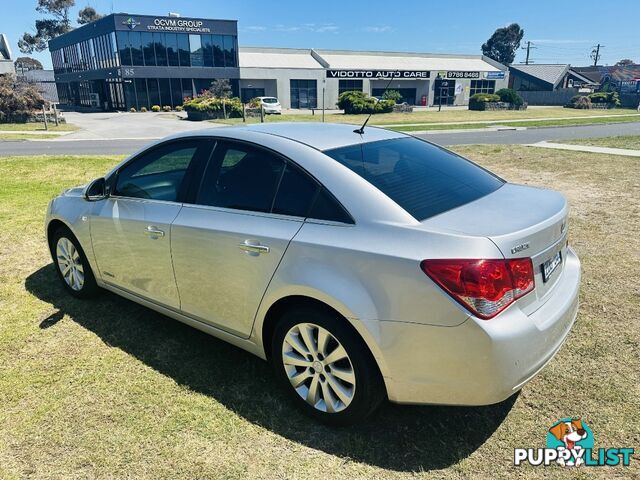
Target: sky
[[560, 31]]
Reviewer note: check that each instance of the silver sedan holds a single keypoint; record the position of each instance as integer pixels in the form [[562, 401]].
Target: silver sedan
[[363, 265]]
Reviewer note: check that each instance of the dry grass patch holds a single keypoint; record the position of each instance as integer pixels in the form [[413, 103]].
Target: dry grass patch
[[110, 389]]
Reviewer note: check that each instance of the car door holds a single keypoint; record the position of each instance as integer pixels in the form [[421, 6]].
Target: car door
[[227, 245], [130, 230]]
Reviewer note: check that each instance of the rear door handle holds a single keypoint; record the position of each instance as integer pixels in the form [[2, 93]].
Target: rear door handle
[[255, 248], [153, 231]]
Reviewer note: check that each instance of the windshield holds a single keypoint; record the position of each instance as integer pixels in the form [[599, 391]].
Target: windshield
[[422, 178], [269, 100]]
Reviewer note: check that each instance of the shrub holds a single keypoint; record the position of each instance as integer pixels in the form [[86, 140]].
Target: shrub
[[213, 105], [155, 108], [582, 103], [179, 108], [354, 102], [143, 109], [392, 95], [133, 110], [254, 103], [18, 100], [509, 95], [476, 101], [166, 108], [611, 98]]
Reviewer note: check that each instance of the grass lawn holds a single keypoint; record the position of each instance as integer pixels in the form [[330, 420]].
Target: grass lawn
[[433, 116], [12, 127], [27, 136], [625, 141], [109, 389]]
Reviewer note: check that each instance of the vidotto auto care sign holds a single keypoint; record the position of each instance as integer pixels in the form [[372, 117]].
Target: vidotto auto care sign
[[378, 74]]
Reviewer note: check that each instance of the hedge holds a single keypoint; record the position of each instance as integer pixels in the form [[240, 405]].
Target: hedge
[[509, 95], [208, 106], [354, 102]]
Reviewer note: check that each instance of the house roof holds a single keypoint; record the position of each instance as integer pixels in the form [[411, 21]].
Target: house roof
[[549, 73], [259, 57]]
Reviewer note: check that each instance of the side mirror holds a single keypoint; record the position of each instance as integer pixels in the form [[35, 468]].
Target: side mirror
[[97, 190]]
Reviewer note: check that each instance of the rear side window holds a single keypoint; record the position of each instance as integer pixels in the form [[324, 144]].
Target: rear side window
[[326, 207], [241, 177], [295, 193], [422, 178]]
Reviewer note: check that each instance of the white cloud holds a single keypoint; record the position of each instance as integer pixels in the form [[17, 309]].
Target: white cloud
[[255, 28], [378, 28]]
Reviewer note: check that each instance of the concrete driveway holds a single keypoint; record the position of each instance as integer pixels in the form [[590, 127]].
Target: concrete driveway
[[130, 126]]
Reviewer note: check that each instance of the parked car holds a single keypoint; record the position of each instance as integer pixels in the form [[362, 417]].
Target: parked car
[[271, 105], [363, 266]]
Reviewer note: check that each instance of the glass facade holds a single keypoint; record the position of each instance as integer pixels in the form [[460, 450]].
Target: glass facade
[[349, 86], [132, 48], [482, 86], [304, 93], [177, 49]]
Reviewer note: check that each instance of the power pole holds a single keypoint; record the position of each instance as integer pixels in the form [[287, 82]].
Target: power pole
[[529, 47], [595, 54]]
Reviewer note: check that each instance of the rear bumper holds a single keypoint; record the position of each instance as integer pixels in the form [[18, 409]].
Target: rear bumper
[[478, 362]]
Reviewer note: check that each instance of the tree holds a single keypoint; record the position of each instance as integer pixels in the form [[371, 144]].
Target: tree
[[88, 15], [26, 64], [624, 62], [18, 99], [220, 88], [47, 28], [503, 44]]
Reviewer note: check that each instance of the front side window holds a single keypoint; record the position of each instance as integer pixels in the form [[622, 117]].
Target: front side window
[[422, 178], [158, 174]]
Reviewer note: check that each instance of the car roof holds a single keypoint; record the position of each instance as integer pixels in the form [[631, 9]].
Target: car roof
[[321, 136]]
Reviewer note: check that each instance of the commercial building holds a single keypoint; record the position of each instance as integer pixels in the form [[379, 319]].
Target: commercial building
[[124, 61]]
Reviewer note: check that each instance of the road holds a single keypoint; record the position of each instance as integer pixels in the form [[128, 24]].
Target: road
[[125, 147]]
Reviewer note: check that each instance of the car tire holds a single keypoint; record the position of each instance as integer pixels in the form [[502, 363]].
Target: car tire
[[71, 264], [336, 387]]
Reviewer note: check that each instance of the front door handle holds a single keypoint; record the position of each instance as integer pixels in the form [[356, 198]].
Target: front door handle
[[254, 248], [153, 231]]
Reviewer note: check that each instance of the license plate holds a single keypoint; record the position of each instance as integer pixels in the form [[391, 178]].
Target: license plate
[[550, 265]]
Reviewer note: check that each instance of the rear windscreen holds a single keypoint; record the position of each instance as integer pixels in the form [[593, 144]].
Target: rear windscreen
[[422, 178]]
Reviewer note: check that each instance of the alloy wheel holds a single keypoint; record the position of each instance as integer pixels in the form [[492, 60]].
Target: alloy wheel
[[318, 367], [70, 264]]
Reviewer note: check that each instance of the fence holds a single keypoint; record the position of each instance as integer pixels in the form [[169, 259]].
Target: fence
[[555, 97]]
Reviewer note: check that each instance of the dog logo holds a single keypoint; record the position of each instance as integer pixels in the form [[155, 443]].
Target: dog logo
[[573, 436]]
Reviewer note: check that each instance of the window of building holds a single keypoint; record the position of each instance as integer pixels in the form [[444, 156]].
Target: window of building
[[148, 49], [176, 92], [349, 85], [123, 48], [183, 48], [171, 41], [141, 93], [207, 50], [154, 91], [304, 93], [160, 49], [482, 86], [195, 48], [218, 50], [135, 40], [229, 51], [165, 91]]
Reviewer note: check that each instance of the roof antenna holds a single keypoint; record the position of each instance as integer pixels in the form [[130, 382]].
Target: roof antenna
[[360, 131]]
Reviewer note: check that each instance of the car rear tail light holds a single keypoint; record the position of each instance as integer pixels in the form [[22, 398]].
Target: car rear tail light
[[484, 287]]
